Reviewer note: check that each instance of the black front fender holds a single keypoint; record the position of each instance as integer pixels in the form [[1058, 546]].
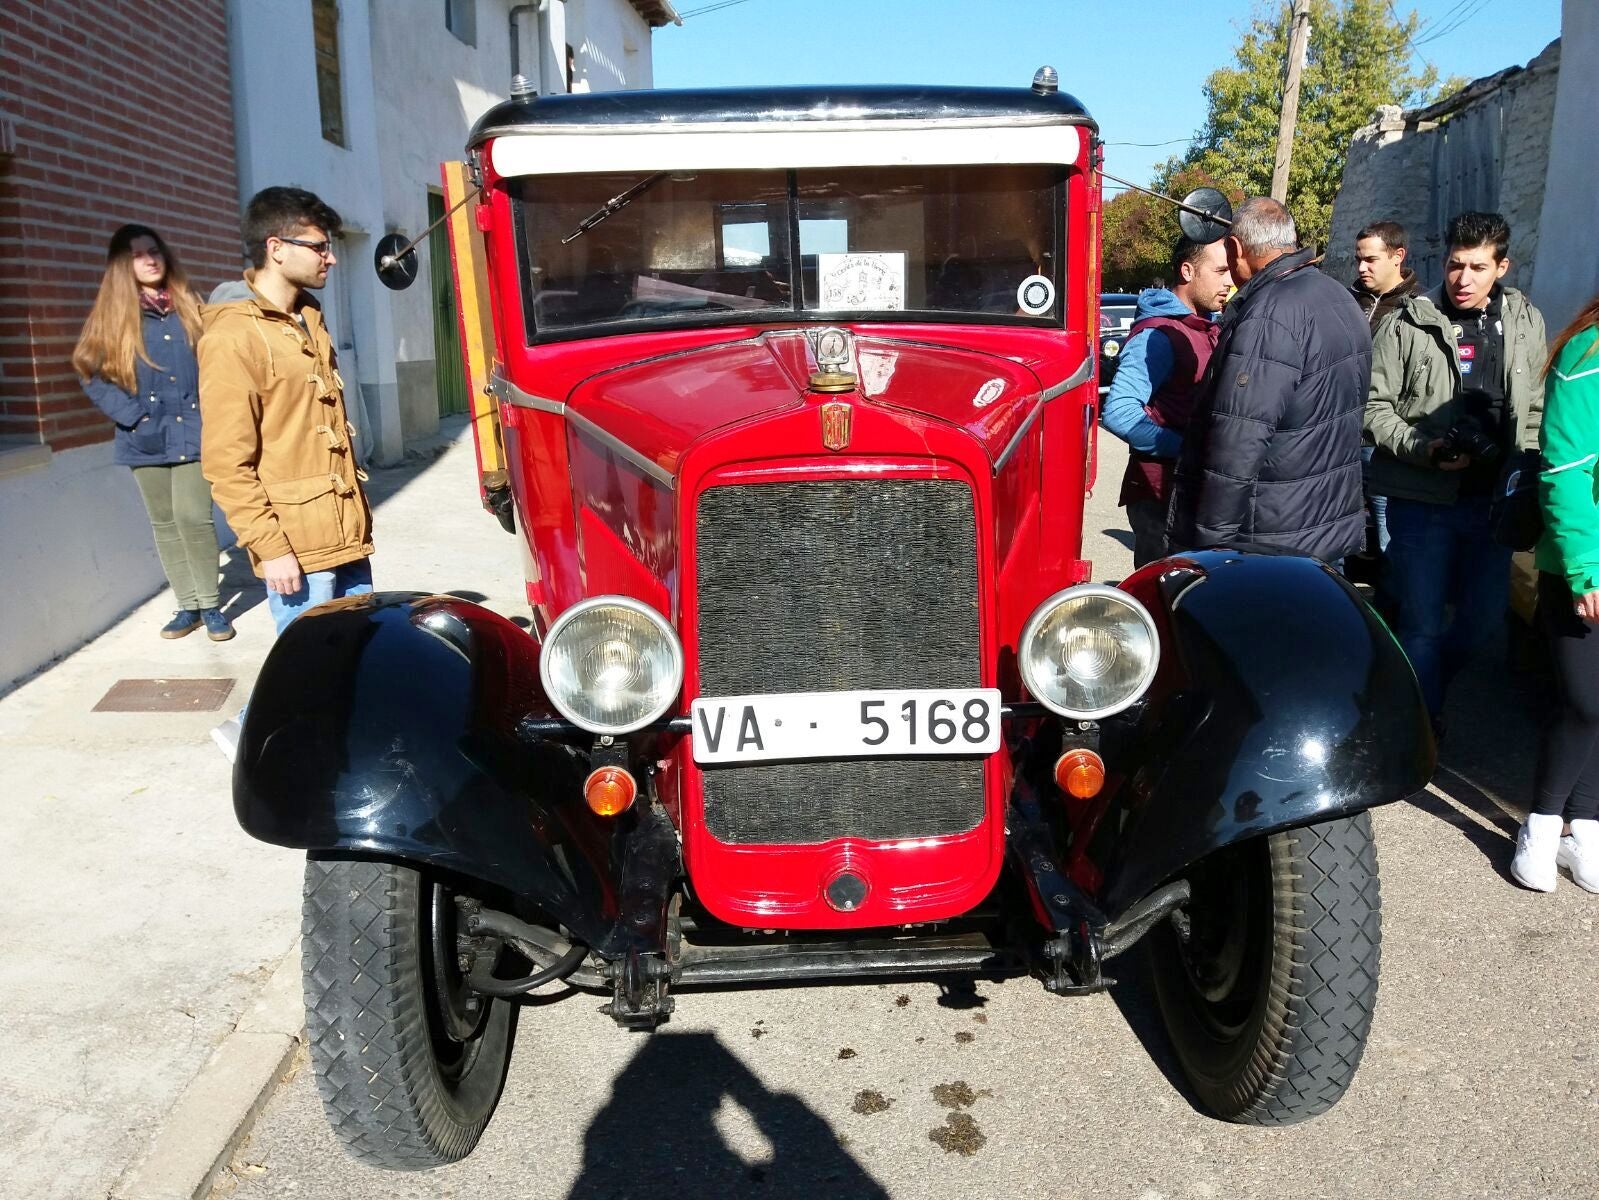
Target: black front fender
[[1282, 699], [386, 725]]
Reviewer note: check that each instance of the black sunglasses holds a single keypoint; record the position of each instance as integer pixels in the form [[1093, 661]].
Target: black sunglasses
[[322, 249]]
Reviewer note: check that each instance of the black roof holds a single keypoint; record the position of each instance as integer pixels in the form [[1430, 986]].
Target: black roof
[[876, 102]]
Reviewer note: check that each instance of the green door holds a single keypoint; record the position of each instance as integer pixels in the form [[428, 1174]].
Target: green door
[[448, 367]]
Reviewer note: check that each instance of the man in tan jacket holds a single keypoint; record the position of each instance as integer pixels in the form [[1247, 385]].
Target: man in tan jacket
[[276, 443]]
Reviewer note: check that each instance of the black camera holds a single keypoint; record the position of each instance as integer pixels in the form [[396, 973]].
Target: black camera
[[1467, 436]]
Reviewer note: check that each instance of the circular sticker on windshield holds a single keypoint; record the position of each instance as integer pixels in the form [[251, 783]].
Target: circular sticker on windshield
[[1036, 296]]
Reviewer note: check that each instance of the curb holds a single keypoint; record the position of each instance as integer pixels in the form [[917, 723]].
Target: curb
[[219, 1105]]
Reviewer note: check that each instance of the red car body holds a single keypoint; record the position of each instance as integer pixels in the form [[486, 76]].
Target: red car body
[[789, 397]]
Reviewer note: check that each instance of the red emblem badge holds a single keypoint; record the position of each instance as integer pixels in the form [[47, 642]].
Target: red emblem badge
[[835, 425]]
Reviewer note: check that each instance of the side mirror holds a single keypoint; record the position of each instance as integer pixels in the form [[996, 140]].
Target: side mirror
[[397, 271], [1204, 215]]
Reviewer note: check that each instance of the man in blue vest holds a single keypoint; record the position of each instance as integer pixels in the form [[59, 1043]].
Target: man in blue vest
[[1157, 378]]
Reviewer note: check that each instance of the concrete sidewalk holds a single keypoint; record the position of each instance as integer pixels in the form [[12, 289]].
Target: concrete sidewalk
[[139, 924]]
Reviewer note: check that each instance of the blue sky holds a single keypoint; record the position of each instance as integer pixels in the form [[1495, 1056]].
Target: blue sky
[[1138, 65]]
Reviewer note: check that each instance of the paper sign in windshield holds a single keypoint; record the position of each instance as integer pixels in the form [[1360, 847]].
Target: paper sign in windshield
[[861, 282]]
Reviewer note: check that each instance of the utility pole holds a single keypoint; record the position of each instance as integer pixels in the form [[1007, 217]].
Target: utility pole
[[1298, 40]]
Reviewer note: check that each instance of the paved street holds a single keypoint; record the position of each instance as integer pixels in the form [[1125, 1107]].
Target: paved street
[[138, 922], [1482, 1075]]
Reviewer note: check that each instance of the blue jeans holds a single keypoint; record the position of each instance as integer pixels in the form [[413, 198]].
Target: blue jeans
[[1379, 504], [347, 579], [1440, 556]]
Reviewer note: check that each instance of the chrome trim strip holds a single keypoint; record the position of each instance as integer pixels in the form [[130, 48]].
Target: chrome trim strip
[[1016, 439], [621, 449], [1077, 379], [509, 393]]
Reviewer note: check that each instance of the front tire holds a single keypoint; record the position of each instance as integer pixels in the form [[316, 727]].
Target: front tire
[[409, 1064], [1268, 994]]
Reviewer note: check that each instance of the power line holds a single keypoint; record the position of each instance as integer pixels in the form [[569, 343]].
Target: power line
[[1430, 23], [1402, 28], [1465, 16], [1148, 145], [710, 8]]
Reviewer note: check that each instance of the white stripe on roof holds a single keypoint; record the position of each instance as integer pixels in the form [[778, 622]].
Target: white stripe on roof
[[773, 145]]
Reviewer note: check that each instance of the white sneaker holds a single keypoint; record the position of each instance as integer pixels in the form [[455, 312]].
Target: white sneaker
[[1537, 845], [1579, 854], [226, 736]]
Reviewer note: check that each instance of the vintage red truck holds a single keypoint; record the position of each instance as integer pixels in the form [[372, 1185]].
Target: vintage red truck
[[788, 396]]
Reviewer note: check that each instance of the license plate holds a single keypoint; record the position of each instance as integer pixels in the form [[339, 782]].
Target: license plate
[[788, 725]]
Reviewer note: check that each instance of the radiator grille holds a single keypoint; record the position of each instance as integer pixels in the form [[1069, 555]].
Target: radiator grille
[[829, 586]]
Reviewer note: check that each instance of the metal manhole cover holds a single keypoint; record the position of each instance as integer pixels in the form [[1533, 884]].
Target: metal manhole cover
[[165, 695]]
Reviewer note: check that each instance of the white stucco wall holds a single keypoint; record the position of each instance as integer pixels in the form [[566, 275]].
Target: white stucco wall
[[612, 45], [430, 87], [278, 127], [412, 91], [77, 521], [1566, 275]]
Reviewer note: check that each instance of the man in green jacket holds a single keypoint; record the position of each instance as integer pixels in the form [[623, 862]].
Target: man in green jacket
[[1456, 389]]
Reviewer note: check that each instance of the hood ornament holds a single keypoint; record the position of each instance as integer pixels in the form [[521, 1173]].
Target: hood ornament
[[835, 365]]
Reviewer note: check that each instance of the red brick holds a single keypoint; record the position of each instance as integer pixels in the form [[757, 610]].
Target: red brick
[[82, 437], [93, 135]]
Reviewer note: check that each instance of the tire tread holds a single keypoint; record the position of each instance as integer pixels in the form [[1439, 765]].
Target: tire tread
[[1329, 936], [367, 1029]]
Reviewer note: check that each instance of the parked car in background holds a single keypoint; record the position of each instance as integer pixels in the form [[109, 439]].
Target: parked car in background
[[1116, 311]]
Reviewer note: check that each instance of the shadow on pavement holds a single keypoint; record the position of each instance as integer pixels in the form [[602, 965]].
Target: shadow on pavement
[[1496, 843], [1122, 537], [658, 1134], [1496, 711], [1134, 995], [241, 589]]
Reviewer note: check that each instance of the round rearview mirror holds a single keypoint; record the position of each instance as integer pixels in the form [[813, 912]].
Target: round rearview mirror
[[1214, 216], [398, 271]]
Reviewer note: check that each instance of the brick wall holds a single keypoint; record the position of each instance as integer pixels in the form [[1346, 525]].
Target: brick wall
[[122, 112]]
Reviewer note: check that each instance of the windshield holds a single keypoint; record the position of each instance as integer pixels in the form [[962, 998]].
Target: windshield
[[696, 247]]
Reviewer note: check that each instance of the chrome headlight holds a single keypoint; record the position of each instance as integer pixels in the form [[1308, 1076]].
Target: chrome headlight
[[1089, 651], [1111, 348], [611, 664]]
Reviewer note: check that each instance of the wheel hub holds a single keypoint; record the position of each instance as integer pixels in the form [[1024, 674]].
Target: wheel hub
[[461, 1012]]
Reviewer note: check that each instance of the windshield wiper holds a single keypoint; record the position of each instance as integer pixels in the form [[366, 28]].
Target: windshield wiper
[[614, 205]]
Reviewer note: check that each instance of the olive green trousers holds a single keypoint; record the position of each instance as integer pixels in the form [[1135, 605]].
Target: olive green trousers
[[178, 499]]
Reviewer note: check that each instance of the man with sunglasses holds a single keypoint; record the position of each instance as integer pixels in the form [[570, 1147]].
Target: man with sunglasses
[[276, 443]]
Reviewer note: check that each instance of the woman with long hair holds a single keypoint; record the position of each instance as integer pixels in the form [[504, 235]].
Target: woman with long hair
[[136, 360], [1563, 827]]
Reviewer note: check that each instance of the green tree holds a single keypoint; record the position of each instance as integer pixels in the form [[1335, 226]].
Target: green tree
[[1359, 57], [1140, 231]]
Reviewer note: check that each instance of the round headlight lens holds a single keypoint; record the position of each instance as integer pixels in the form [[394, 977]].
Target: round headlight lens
[[1111, 349], [1089, 651], [611, 665]]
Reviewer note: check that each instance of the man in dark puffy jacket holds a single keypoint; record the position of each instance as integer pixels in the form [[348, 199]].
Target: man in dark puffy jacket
[[1272, 456]]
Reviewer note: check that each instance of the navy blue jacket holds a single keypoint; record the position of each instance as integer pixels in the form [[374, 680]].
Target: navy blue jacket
[[160, 424], [1272, 453]]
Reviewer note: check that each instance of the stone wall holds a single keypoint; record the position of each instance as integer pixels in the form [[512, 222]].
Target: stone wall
[[1568, 267], [1486, 147]]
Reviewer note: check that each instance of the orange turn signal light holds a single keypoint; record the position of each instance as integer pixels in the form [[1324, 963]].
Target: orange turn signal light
[[1080, 773], [609, 790]]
